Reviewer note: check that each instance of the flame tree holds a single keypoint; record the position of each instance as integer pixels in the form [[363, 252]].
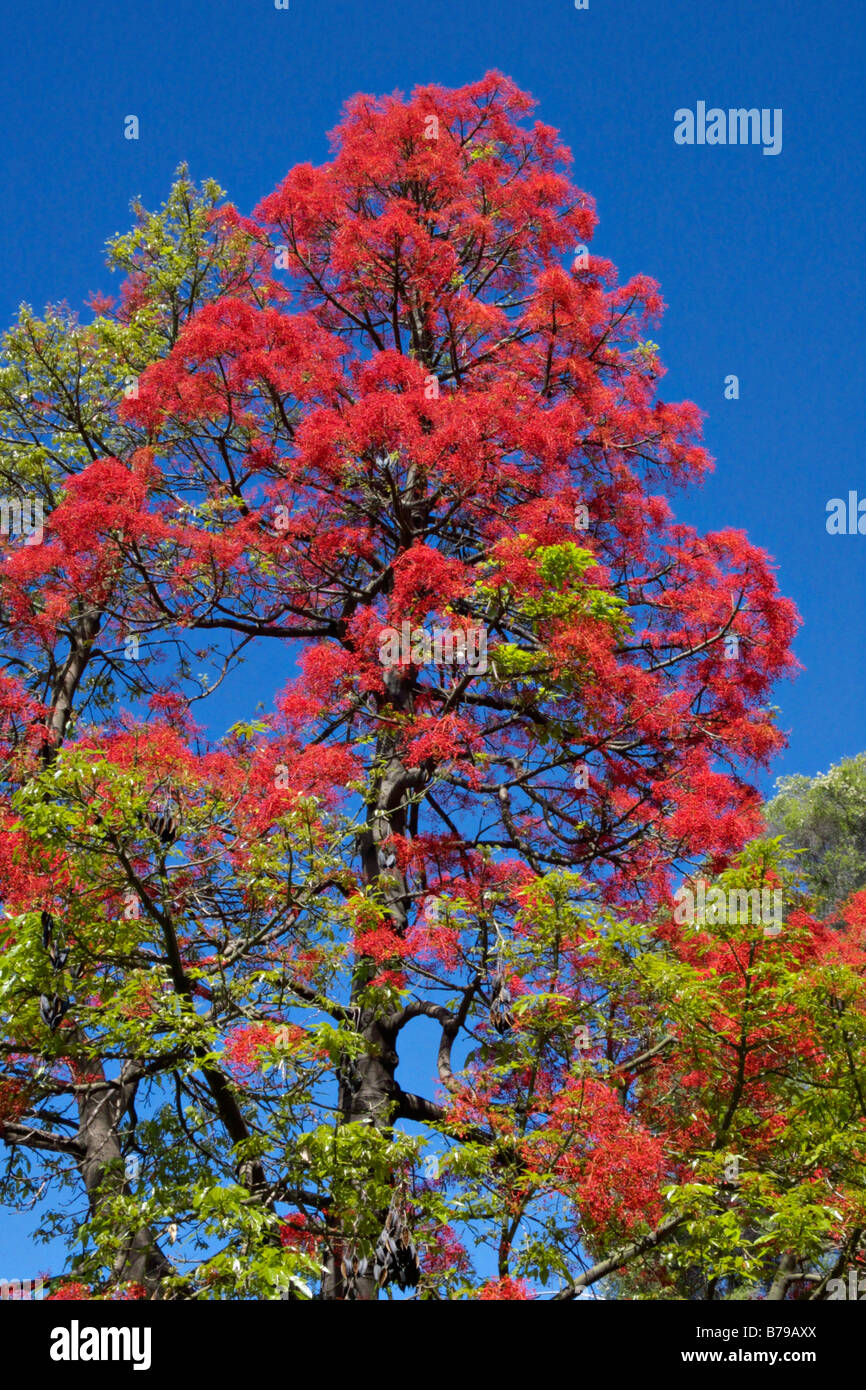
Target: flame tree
[[399, 413]]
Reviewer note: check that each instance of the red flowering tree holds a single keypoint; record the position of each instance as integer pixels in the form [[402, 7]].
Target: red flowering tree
[[397, 440]]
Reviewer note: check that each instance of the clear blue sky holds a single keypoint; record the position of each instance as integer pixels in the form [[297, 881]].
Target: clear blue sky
[[760, 258]]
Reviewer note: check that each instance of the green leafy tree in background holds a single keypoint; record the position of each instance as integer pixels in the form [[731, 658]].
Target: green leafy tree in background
[[823, 820]]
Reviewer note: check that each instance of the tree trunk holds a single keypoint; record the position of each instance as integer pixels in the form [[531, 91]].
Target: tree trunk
[[100, 1110], [370, 1094]]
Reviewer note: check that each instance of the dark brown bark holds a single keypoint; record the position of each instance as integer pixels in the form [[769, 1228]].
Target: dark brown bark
[[101, 1107], [373, 1096]]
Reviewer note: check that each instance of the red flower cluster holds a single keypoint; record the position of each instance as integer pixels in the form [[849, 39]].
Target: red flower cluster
[[511, 1290]]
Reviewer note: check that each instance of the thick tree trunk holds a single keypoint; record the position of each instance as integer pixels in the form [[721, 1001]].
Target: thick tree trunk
[[371, 1096], [100, 1110]]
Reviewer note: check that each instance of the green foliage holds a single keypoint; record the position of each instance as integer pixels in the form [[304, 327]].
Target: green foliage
[[823, 820]]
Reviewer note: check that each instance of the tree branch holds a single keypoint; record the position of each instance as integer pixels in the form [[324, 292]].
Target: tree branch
[[621, 1257]]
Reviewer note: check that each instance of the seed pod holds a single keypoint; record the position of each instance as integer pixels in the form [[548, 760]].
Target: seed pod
[[396, 1258], [501, 1018], [47, 925], [163, 820], [52, 1010], [501, 1014], [353, 1268]]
